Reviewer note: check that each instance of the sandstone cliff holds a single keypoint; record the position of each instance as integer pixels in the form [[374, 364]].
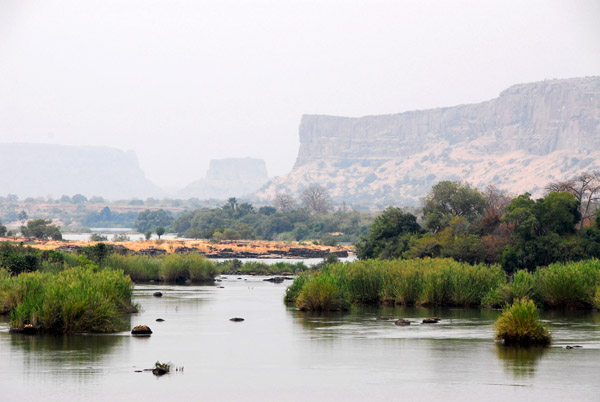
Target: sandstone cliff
[[530, 135], [31, 170], [233, 177]]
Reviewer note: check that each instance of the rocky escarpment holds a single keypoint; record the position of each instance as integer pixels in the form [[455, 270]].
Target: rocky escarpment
[[530, 135], [31, 170], [233, 177]]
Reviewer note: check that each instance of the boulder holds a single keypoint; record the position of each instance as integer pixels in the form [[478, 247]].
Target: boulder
[[402, 322], [141, 330], [157, 294], [236, 319], [431, 320]]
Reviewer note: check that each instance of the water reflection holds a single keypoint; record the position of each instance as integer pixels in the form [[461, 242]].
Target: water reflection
[[521, 362]]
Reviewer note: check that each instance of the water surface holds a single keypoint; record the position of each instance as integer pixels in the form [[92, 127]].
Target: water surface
[[281, 354]]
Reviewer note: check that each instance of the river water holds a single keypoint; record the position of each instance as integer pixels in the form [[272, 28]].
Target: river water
[[281, 354]]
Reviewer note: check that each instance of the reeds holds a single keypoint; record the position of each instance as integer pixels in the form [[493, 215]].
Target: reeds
[[169, 268], [322, 293], [74, 300], [568, 285], [519, 324]]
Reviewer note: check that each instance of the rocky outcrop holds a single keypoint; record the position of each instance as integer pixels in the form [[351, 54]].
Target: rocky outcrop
[[44, 169], [234, 177], [530, 135]]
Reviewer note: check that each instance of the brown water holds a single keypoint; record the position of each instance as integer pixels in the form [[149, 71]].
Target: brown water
[[281, 354]]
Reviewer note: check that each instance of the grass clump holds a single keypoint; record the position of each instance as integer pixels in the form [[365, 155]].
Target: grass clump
[[322, 293], [519, 324], [80, 299]]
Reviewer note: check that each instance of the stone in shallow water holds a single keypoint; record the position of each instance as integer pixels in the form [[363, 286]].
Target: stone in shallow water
[[431, 320], [141, 330], [157, 294], [236, 319], [402, 322]]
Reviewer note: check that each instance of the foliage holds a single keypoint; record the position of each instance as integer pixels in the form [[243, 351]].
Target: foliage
[[107, 218], [388, 235], [519, 324], [41, 229], [568, 285], [74, 300], [150, 220], [449, 199], [98, 237], [160, 231], [322, 293]]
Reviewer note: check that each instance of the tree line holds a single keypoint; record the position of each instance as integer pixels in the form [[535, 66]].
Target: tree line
[[491, 226]]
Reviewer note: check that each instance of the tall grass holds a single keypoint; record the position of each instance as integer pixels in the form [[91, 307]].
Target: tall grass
[[322, 293], [520, 324], [169, 268], [74, 300], [418, 281], [568, 285]]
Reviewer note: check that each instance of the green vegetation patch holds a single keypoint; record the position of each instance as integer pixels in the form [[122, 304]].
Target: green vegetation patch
[[82, 299], [520, 325]]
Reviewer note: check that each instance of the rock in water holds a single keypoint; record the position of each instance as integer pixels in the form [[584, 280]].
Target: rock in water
[[236, 319], [157, 294], [431, 320], [402, 322], [141, 330]]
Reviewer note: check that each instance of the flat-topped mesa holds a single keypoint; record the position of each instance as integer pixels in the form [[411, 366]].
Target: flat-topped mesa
[[538, 118], [33, 170], [530, 135], [232, 177]]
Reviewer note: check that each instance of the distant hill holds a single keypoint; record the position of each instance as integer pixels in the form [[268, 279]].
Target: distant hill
[[31, 170], [530, 135], [233, 177]]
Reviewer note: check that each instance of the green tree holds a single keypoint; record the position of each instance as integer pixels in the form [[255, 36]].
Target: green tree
[[448, 199], [41, 229], [2, 230], [148, 234], [22, 217], [79, 199], [160, 231], [389, 235], [150, 220]]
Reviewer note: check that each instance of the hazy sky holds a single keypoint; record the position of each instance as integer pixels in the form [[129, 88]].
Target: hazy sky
[[185, 81]]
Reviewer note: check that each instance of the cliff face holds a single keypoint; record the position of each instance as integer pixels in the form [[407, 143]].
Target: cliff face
[[233, 177], [44, 169], [530, 135]]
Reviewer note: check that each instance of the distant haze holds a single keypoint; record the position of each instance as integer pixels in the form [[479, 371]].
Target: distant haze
[[183, 82]]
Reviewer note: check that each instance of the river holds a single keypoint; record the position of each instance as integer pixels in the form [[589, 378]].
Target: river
[[281, 354]]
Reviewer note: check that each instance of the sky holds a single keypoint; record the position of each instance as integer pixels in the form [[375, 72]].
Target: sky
[[181, 82]]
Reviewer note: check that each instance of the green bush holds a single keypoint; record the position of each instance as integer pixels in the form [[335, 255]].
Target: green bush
[[519, 324]]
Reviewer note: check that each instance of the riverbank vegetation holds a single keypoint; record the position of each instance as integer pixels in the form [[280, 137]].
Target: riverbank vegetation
[[81, 299], [445, 282], [493, 227]]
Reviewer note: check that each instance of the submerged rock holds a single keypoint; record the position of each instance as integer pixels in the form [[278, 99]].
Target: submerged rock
[[275, 279], [157, 294], [141, 330], [159, 320], [384, 318], [431, 320], [236, 319], [27, 329], [573, 347], [402, 322]]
